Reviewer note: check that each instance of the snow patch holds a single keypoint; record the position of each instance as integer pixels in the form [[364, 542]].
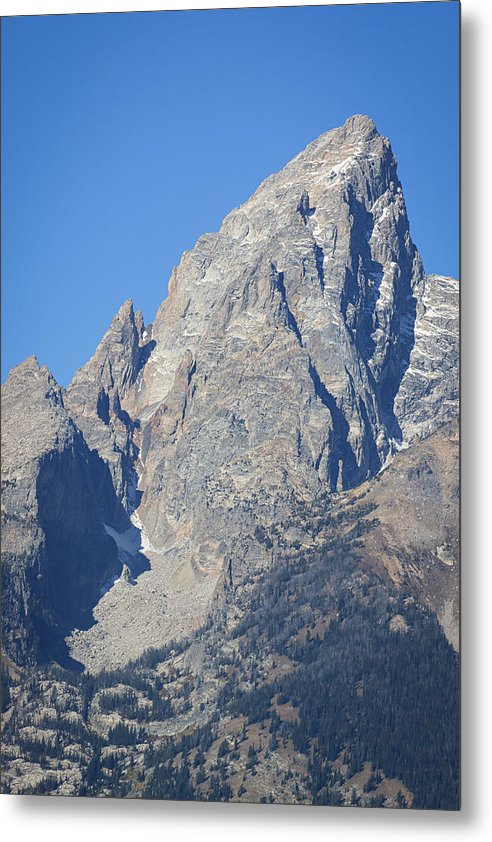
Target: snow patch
[[129, 542], [394, 447], [342, 167]]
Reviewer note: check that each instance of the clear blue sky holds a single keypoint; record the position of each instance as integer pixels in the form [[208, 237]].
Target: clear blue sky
[[127, 136]]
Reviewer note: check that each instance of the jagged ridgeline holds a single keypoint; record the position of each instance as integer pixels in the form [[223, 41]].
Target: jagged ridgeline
[[230, 546]]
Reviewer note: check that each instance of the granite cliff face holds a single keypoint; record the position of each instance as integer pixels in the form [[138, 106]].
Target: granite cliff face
[[94, 396], [298, 350], [286, 337], [310, 285], [56, 495], [429, 392]]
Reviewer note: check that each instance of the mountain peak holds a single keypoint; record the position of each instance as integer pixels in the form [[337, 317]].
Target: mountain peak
[[31, 373], [119, 346], [360, 124], [213, 501], [285, 360], [125, 311], [30, 364], [356, 138]]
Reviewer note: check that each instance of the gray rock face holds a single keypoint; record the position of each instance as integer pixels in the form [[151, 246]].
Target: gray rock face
[[95, 394], [429, 392], [55, 496], [310, 283], [299, 347], [283, 345]]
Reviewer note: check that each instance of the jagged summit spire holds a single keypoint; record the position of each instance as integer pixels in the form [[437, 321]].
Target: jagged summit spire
[[125, 310], [120, 341]]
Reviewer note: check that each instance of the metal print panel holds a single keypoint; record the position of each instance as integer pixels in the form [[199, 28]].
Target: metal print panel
[[230, 539]]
